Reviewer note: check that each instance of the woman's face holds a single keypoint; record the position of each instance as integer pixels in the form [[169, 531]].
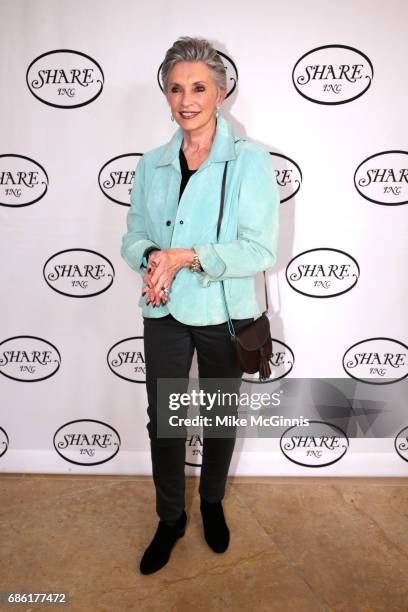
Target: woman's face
[[192, 95]]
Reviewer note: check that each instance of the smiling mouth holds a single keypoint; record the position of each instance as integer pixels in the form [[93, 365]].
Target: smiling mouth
[[188, 115]]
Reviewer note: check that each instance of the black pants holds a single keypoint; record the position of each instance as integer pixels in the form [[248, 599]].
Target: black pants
[[169, 348]]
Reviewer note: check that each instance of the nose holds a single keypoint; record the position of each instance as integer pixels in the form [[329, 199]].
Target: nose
[[186, 99]]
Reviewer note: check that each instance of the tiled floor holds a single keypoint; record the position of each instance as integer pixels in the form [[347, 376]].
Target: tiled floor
[[297, 544]]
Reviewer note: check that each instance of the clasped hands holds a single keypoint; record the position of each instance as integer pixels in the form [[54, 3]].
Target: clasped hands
[[162, 267]]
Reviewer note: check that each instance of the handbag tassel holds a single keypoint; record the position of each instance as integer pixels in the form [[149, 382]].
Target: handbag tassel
[[264, 367]]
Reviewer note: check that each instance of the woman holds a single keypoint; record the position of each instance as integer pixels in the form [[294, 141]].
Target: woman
[[172, 242]]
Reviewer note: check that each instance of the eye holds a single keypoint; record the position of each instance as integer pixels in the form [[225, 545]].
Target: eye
[[174, 89], [200, 88]]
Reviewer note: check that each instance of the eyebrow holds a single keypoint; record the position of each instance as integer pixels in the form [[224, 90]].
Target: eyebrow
[[195, 83]]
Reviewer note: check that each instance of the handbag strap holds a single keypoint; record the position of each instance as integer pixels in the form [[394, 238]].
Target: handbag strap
[[230, 324]]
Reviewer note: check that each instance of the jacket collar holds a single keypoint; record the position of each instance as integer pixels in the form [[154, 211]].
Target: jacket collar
[[223, 147]]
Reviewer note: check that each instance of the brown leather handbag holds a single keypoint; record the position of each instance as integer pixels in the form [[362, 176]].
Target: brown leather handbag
[[253, 343]]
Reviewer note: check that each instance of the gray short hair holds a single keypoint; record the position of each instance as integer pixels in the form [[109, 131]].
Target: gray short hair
[[187, 49]]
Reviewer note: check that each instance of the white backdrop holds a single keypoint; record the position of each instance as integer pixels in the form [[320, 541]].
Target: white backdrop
[[69, 146]]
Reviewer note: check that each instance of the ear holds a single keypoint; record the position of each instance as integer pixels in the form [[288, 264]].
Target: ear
[[222, 96]]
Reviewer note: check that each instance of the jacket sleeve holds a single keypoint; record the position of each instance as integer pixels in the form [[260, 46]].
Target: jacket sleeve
[[254, 249], [135, 241]]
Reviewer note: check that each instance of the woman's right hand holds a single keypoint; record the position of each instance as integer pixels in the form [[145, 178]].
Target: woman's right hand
[[150, 292], [162, 268], [153, 295]]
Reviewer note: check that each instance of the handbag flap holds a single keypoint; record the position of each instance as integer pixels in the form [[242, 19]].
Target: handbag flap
[[254, 335]]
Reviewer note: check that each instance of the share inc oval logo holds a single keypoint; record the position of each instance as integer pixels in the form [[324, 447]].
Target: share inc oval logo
[[378, 361], [401, 443], [4, 441], [65, 78], [322, 272], [288, 176], [317, 445], [332, 74], [382, 178], [126, 359], [28, 358], [115, 178], [23, 181], [281, 364], [78, 273], [87, 442], [194, 449]]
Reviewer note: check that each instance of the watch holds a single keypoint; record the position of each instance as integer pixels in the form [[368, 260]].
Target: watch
[[196, 265]]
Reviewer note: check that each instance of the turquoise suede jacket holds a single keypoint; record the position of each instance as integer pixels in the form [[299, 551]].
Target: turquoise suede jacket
[[248, 234]]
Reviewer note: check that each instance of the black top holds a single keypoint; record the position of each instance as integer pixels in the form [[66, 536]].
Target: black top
[[185, 172], [185, 175]]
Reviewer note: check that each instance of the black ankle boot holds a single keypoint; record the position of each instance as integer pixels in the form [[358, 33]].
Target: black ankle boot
[[216, 531], [158, 552]]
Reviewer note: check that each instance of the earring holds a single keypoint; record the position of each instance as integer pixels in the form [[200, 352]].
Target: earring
[[172, 118], [217, 114]]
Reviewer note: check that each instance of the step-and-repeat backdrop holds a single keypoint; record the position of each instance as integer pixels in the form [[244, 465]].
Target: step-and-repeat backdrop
[[323, 89]]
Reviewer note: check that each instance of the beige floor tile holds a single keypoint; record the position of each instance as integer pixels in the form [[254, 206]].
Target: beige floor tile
[[386, 507], [16, 493], [346, 557], [261, 581], [88, 541], [318, 545]]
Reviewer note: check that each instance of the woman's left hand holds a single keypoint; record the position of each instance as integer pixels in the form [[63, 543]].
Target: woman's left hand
[[162, 268]]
